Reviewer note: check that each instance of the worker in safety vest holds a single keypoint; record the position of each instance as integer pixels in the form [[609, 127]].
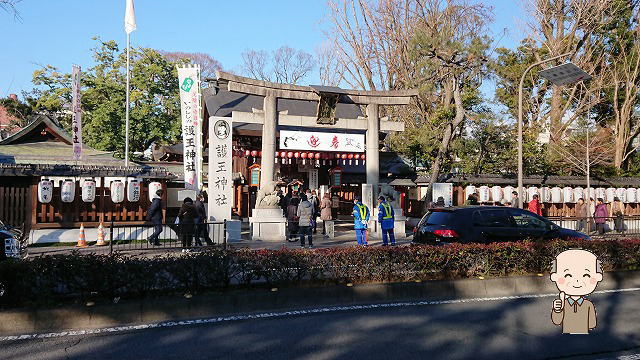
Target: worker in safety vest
[[386, 218], [361, 217]]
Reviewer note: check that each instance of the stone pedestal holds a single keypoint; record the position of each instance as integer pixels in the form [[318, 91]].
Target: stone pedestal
[[234, 230], [268, 225], [399, 224]]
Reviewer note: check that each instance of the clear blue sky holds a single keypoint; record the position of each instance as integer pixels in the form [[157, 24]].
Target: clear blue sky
[[59, 32]]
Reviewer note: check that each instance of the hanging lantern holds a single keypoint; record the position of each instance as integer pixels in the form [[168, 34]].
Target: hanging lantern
[[469, 190], [592, 193], [484, 194], [578, 193], [247, 153], [357, 157], [556, 195], [601, 193], [621, 193], [254, 153], [88, 190], [610, 193], [507, 193], [303, 155], [567, 195], [68, 191], [117, 191], [153, 189], [631, 195], [296, 154], [317, 156], [45, 191], [496, 193], [133, 190]]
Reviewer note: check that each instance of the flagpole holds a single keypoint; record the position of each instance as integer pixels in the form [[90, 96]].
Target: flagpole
[[126, 136]]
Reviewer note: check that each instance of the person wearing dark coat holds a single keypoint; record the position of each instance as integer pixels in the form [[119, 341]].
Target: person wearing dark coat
[[187, 220], [292, 217], [154, 214], [202, 230]]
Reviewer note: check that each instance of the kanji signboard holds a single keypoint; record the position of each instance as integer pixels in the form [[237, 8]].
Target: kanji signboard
[[321, 141], [189, 80], [220, 187]]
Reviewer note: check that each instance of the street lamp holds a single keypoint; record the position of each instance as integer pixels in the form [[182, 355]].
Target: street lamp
[[558, 75]]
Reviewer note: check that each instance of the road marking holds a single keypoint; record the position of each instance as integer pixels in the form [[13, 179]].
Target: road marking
[[268, 315]]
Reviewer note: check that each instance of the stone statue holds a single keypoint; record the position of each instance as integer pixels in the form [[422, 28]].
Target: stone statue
[[391, 195], [267, 197]]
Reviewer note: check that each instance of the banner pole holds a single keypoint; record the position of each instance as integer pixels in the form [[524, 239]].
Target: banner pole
[[126, 136]]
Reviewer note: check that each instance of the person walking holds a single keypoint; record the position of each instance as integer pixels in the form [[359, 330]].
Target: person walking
[[187, 223], [617, 212], [305, 218], [386, 218], [154, 214], [202, 229], [315, 202], [292, 217], [582, 214], [325, 212], [361, 216], [600, 216], [535, 206]]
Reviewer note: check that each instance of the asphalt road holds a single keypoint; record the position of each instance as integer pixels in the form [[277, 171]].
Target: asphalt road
[[517, 328]]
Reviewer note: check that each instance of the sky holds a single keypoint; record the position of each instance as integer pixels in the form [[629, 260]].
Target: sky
[[60, 32]]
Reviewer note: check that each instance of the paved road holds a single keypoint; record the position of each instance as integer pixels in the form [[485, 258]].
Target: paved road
[[488, 329]]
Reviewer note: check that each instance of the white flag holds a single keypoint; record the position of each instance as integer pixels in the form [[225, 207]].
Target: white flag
[[129, 18]]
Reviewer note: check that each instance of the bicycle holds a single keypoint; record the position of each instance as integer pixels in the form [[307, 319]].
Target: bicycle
[[15, 241]]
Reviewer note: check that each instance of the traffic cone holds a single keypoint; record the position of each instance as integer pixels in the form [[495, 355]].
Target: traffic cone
[[101, 241], [82, 240]]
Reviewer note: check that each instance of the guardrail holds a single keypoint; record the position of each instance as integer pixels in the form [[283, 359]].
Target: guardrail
[[612, 225]]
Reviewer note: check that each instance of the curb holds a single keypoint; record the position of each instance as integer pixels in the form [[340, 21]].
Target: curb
[[26, 321]]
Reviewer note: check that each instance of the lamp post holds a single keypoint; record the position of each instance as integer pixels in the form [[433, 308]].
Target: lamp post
[[558, 75]]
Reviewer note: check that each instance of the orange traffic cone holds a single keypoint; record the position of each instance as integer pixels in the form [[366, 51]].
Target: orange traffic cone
[[82, 240], [101, 241]]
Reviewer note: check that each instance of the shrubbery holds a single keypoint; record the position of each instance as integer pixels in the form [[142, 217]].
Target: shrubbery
[[56, 278]]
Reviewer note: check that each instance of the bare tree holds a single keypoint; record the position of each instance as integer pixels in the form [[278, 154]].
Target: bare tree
[[10, 7], [585, 148], [208, 64], [331, 70], [284, 65]]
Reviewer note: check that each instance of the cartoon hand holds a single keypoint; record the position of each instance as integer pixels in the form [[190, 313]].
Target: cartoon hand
[[558, 304]]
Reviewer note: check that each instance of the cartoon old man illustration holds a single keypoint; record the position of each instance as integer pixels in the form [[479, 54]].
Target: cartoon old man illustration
[[576, 274]]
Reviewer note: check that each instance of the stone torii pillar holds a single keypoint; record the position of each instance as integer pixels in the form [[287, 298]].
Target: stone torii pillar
[[372, 146], [269, 129]]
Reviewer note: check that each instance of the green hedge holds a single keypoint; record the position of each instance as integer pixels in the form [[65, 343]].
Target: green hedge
[[54, 279]]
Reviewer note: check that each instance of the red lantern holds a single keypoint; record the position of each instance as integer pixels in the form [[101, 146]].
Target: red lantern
[[289, 154], [283, 154], [247, 153], [356, 156], [296, 154], [343, 156], [317, 156], [350, 156], [303, 155], [336, 156], [254, 153], [259, 153], [276, 154], [362, 157]]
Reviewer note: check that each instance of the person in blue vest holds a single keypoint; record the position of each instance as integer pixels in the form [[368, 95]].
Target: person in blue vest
[[386, 218], [361, 216]]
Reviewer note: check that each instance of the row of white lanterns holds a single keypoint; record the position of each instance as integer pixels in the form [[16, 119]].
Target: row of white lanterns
[[88, 193], [555, 195]]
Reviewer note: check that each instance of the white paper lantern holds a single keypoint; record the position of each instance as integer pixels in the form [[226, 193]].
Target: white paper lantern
[[592, 193], [610, 193], [484, 193], [532, 190], [496, 193], [117, 191], [507, 193], [545, 194], [88, 190], [621, 193], [578, 193], [601, 193], [567, 195], [68, 191], [153, 188], [631, 195], [45, 191], [556, 195], [133, 190], [469, 190]]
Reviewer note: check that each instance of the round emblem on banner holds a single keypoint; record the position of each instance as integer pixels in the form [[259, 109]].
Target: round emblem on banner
[[221, 129]]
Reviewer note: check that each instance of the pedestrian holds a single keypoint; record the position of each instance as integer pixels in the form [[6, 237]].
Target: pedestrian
[[305, 219], [514, 200], [582, 214], [617, 212], [386, 218], [186, 223], [361, 216], [202, 229], [315, 202], [154, 214], [440, 202], [292, 217], [325, 212], [600, 216], [282, 202], [535, 206], [471, 200]]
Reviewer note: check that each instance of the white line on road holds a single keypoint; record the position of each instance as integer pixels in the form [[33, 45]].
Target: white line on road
[[268, 315]]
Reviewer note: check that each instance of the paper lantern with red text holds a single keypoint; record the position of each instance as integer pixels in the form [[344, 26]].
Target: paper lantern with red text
[[68, 191]]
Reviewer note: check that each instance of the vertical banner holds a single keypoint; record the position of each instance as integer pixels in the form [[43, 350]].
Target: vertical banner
[[76, 116], [190, 106], [220, 165]]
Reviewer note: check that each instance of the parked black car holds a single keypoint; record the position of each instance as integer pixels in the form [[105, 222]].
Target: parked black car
[[484, 224]]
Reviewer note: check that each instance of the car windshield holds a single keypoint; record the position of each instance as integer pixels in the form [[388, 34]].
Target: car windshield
[[438, 218]]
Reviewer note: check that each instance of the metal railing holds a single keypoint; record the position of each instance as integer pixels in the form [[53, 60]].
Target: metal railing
[[623, 225]]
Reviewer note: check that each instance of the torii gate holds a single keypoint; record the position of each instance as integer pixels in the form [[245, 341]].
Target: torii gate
[[327, 97]]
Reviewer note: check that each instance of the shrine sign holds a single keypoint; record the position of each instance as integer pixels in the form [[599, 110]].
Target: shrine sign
[[220, 185], [321, 141]]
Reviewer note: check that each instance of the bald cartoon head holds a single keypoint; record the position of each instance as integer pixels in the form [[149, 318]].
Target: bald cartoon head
[[576, 272]]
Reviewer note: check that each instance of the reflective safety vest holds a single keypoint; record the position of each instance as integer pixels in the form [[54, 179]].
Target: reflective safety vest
[[363, 211], [387, 211]]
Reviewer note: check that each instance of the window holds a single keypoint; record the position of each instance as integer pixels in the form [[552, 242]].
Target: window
[[438, 218], [492, 218], [524, 220]]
